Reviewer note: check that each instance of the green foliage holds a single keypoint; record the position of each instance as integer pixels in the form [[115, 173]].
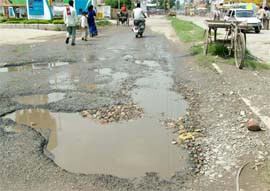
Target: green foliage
[[25, 21], [102, 23], [58, 21], [2, 20], [114, 3], [168, 4], [217, 52], [196, 49], [255, 64], [57, 28], [187, 31], [218, 49]]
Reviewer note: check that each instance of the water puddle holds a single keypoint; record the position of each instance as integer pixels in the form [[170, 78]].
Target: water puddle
[[63, 81], [40, 99], [102, 58], [116, 77], [35, 66], [127, 149], [104, 71], [38, 118], [154, 95]]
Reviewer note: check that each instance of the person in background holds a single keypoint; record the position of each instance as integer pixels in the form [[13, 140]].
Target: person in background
[[216, 13], [91, 21], [84, 26], [124, 8], [260, 14], [138, 14], [70, 18], [266, 18]]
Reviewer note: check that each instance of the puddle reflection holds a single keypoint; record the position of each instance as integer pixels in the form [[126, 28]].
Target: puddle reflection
[[40, 99], [38, 118], [126, 149], [36, 66]]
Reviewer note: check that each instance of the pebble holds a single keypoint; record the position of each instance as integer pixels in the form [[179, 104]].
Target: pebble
[[114, 113], [253, 125]]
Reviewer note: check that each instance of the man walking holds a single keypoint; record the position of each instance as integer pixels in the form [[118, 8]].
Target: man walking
[[70, 19]]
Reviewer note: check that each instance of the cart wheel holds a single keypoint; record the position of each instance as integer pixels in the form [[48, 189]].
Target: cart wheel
[[207, 40], [239, 50]]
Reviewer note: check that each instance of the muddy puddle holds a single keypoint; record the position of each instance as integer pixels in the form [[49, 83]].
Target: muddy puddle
[[154, 95], [63, 80], [126, 149], [40, 99], [35, 66]]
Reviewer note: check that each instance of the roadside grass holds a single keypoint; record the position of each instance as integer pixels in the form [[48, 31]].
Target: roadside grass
[[103, 23], [217, 52], [187, 31]]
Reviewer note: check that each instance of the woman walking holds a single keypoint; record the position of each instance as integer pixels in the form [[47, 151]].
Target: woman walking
[[91, 21]]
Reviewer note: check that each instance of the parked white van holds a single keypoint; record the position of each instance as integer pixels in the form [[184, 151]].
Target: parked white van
[[244, 15]]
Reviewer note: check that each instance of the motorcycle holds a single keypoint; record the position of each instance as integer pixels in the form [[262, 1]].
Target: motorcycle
[[139, 27]]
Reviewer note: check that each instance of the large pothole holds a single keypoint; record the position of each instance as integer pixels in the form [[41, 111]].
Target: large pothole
[[126, 149]]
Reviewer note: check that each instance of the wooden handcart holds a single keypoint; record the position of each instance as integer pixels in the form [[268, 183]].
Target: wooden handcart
[[234, 40]]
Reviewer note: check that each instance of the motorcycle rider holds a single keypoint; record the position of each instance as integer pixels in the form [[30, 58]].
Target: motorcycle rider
[[138, 15]]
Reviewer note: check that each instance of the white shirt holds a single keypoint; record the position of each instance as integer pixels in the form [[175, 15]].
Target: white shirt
[[70, 19], [138, 14], [261, 13], [83, 21]]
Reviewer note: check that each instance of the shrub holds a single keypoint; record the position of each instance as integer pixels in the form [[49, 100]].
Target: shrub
[[2, 20], [102, 23], [59, 21], [36, 21]]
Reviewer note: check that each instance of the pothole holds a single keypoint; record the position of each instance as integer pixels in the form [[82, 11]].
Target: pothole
[[64, 81], [127, 149], [116, 77], [154, 95], [35, 66], [40, 99]]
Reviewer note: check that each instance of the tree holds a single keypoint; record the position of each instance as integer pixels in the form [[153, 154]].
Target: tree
[[114, 3]]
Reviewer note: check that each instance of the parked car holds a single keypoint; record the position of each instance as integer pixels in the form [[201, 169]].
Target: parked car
[[244, 15]]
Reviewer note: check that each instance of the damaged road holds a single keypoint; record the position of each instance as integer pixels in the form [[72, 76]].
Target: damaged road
[[119, 113]]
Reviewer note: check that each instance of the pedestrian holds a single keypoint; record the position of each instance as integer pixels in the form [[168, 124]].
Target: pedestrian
[[124, 8], [91, 21], [84, 25], [261, 15], [266, 18], [216, 13], [70, 19]]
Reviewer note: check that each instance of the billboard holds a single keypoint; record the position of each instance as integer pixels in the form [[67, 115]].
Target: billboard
[[39, 9], [36, 7]]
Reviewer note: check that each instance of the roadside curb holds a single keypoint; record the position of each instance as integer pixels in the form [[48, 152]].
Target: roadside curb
[[53, 27]]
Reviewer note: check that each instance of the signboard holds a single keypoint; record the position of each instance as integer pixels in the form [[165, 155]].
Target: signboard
[[105, 10], [39, 9], [36, 7], [11, 12], [80, 6]]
